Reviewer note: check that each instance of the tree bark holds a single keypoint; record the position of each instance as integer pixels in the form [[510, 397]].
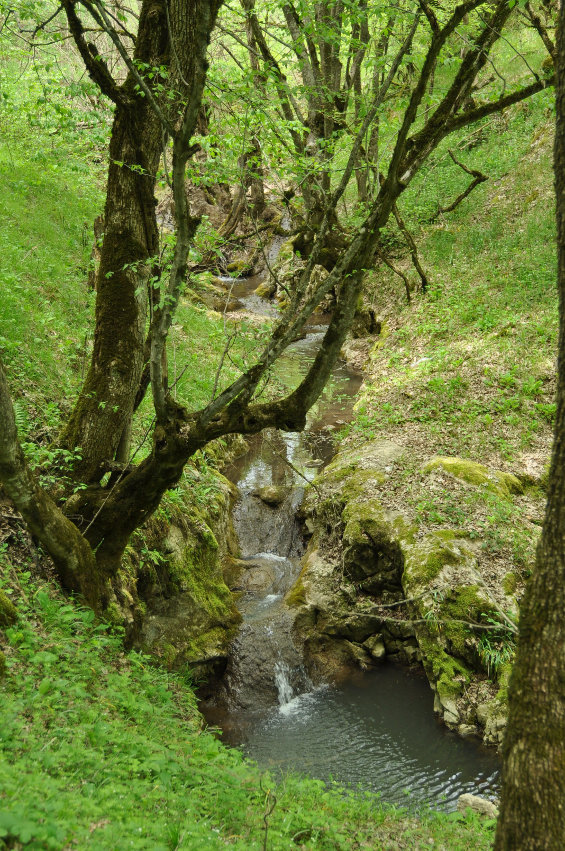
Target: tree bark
[[532, 814], [131, 242], [71, 554]]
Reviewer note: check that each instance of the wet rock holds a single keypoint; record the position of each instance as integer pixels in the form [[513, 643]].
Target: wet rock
[[467, 730], [257, 576], [266, 290], [375, 646], [268, 527], [479, 805], [359, 655], [262, 648], [272, 494]]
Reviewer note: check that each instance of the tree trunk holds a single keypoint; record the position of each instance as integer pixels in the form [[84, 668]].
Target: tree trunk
[[533, 793], [131, 240]]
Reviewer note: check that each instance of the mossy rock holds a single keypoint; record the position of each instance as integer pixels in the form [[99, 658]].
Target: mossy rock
[[272, 495], [266, 290], [237, 267], [8, 613], [297, 594], [373, 540], [425, 561], [447, 675], [376, 456], [499, 482]]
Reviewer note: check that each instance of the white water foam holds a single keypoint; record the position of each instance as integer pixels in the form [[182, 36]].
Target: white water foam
[[282, 682]]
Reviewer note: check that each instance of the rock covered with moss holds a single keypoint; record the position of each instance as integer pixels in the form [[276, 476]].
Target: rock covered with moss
[[8, 613], [375, 585], [502, 483], [190, 614]]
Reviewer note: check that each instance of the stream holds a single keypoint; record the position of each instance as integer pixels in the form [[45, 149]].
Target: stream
[[378, 732]]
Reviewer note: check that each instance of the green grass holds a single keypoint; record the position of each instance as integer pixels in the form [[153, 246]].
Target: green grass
[[100, 750], [47, 201], [469, 368]]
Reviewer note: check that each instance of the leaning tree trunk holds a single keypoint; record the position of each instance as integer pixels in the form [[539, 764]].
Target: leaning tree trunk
[[131, 241], [533, 792], [105, 405]]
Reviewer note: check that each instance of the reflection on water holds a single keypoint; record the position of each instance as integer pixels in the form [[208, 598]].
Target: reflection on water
[[380, 734]]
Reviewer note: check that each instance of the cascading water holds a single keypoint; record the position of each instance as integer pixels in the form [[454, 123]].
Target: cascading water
[[379, 732], [282, 682]]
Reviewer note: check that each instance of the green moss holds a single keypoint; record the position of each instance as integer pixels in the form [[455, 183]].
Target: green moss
[[425, 561], [8, 613], [501, 483], [447, 674], [297, 594], [510, 583], [266, 289], [2, 666], [367, 518], [237, 267]]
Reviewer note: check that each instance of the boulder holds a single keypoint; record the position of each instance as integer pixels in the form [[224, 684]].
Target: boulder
[[502, 483], [479, 805], [272, 494]]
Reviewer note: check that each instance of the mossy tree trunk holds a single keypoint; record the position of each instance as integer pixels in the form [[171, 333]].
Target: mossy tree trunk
[[129, 250], [532, 814]]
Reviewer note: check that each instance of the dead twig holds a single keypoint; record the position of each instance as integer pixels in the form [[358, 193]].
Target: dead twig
[[413, 247], [478, 176], [396, 271]]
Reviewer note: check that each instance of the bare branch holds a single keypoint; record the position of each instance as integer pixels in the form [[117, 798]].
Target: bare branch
[[413, 247], [396, 271], [478, 176]]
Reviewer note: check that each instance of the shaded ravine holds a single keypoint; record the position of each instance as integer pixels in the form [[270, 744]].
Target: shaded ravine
[[378, 732]]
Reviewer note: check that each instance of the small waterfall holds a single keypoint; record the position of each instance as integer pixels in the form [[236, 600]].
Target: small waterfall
[[282, 682]]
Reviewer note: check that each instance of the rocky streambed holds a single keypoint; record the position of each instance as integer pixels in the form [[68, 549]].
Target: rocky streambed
[[332, 589]]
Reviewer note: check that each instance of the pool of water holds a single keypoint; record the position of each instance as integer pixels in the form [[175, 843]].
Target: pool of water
[[379, 734]]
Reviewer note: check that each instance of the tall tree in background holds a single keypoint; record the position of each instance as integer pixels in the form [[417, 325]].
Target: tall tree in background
[[532, 814]]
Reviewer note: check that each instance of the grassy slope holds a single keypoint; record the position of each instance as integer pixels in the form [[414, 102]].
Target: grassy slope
[[469, 369], [100, 750]]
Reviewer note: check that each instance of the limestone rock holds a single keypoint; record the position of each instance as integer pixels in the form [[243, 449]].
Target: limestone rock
[[376, 647], [266, 290], [492, 716], [479, 805], [372, 541], [466, 730], [272, 494], [501, 483], [190, 615]]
